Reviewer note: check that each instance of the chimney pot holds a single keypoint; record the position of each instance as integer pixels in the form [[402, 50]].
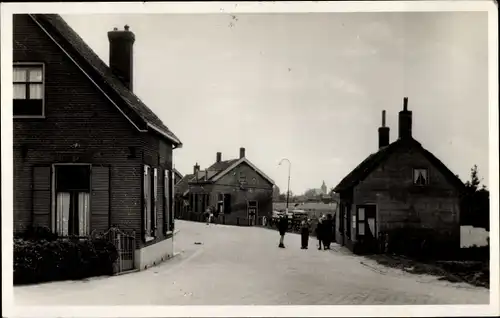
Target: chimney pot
[[219, 157], [383, 133], [242, 152], [121, 55], [126, 27], [405, 121]]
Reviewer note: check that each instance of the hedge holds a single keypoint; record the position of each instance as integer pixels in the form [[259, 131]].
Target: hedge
[[425, 244], [47, 258]]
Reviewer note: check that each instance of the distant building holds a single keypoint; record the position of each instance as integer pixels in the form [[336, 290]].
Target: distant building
[[401, 185], [236, 188]]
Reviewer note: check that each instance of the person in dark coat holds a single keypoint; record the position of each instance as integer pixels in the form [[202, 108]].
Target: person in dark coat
[[320, 232], [305, 228], [282, 228], [328, 232]]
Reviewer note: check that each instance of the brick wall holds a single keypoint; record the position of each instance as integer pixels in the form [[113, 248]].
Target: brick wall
[[259, 189], [77, 113], [400, 203]]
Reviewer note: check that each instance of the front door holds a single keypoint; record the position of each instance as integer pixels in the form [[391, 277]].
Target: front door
[[252, 212], [366, 226]]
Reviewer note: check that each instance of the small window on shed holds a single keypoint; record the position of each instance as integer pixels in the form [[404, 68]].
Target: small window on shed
[[420, 176]]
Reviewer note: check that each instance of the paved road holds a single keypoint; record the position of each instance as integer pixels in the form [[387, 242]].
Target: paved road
[[244, 266]]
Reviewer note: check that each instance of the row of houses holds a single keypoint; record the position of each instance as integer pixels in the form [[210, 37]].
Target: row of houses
[[89, 155]]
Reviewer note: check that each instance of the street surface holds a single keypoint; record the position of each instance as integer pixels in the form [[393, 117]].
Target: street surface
[[244, 266]]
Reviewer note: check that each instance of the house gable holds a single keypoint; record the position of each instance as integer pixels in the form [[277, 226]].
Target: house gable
[[129, 105], [376, 162], [236, 164]]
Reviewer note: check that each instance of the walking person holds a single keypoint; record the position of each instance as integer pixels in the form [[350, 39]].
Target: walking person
[[282, 228], [208, 212], [320, 232], [305, 228], [328, 230]]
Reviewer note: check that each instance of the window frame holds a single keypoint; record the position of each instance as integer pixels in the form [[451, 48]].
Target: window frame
[[147, 203], [166, 201], [361, 220], [414, 170], [53, 197], [43, 83]]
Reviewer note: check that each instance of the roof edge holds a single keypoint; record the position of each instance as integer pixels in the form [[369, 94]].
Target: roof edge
[[44, 30]]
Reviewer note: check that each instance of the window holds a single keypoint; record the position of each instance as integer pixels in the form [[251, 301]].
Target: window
[[243, 177], [420, 177], [361, 221], [149, 210], [72, 185], [28, 90]]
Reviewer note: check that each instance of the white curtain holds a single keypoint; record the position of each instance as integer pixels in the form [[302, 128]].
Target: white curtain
[[36, 91], [83, 213], [62, 219], [371, 224], [35, 74], [19, 91], [19, 74]]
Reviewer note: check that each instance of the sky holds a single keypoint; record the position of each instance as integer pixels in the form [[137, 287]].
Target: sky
[[309, 87]]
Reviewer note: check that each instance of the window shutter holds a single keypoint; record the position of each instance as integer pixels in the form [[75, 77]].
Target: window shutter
[[41, 196], [155, 199], [146, 217], [99, 202], [172, 202], [166, 205]]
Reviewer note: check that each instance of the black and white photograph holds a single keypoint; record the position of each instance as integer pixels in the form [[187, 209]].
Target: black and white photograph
[[306, 155]]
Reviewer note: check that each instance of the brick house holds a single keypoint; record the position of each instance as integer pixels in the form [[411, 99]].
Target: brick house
[[236, 188], [401, 185], [88, 154]]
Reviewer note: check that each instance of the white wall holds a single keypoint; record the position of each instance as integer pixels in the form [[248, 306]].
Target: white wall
[[470, 236]]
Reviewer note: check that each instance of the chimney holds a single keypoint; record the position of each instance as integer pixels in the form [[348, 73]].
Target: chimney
[[405, 121], [383, 133], [121, 55], [242, 152], [219, 157], [196, 168]]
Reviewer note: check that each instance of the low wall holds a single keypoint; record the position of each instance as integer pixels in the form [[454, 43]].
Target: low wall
[[470, 236], [153, 254]]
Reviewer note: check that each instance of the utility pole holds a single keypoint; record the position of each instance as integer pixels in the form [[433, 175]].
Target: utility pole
[[288, 189]]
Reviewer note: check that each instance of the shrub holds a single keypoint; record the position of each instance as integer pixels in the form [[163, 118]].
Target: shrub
[[38, 233], [38, 261]]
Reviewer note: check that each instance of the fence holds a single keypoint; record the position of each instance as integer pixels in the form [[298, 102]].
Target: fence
[[125, 246]]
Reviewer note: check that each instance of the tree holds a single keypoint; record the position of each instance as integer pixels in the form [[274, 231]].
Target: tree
[[476, 204]]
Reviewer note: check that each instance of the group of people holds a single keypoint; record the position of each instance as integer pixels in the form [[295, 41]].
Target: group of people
[[211, 214], [324, 231]]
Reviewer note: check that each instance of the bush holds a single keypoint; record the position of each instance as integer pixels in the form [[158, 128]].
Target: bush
[[37, 261], [38, 233]]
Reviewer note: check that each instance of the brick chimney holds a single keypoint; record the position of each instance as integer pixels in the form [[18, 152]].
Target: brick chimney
[[242, 152], [196, 169], [405, 121], [121, 55], [383, 133], [219, 157]]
